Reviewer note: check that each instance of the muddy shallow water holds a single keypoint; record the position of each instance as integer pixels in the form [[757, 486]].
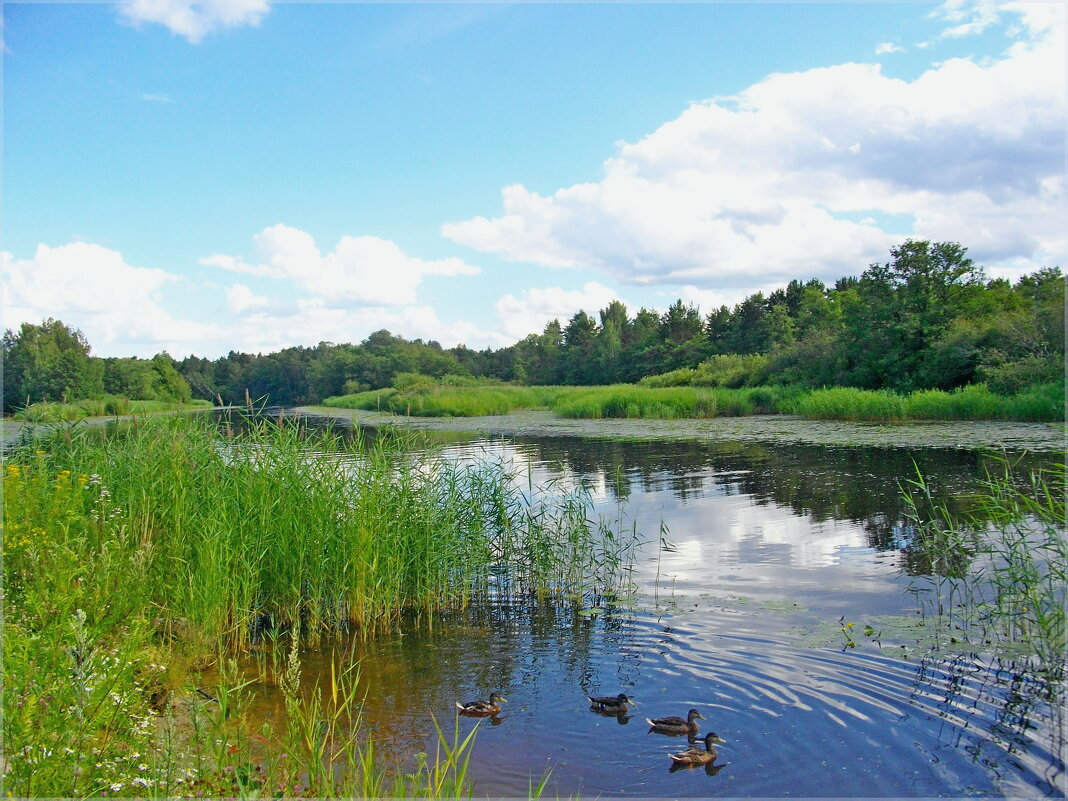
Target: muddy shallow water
[[756, 552]]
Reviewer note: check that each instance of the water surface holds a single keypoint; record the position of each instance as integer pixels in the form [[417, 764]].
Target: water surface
[[755, 554]]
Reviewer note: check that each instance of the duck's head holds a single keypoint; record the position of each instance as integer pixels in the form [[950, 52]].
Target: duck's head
[[623, 698], [710, 738], [497, 698], [693, 714]]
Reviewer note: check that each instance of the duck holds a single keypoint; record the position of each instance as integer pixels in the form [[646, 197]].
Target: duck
[[611, 705], [695, 756], [677, 725], [482, 708]]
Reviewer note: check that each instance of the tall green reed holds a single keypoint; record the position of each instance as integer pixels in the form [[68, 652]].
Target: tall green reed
[[282, 526], [998, 573]]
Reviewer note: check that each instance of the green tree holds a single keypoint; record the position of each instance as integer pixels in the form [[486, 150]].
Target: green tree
[[577, 350], [48, 362]]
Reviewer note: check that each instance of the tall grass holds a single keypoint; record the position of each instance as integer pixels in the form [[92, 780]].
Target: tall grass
[[974, 402], [999, 573], [446, 400], [631, 401], [316, 529], [132, 558], [47, 412]]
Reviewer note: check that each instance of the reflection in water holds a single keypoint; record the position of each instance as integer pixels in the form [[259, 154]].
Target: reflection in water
[[760, 541]]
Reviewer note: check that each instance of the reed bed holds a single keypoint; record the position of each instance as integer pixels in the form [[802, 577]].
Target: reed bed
[[287, 527], [631, 401], [998, 574], [437, 400], [662, 399], [974, 402], [134, 557], [47, 412]]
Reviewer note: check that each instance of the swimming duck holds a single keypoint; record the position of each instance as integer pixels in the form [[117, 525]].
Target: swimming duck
[[676, 725], [610, 705], [482, 708], [695, 756]]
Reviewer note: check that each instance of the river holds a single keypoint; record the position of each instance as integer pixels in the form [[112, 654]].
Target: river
[[758, 550]]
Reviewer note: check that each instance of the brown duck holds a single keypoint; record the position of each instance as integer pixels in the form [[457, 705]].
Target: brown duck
[[481, 709], [677, 725], [695, 756]]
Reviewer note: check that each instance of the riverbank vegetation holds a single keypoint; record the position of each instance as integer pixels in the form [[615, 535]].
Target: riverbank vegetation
[[445, 398], [108, 405], [133, 560], [926, 321], [994, 574]]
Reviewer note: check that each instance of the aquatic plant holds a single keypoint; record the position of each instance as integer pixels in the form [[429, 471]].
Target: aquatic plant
[[1009, 590], [131, 559]]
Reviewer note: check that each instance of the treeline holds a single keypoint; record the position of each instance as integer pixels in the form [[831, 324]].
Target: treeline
[[51, 363], [926, 319]]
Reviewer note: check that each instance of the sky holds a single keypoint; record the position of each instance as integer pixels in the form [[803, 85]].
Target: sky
[[201, 177]]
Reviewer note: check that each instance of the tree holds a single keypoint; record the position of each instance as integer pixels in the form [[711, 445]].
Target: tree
[[48, 362], [578, 349]]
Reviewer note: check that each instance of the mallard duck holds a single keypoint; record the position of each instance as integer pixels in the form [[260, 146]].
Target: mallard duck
[[610, 705], [676, 725], [482, 708], [695, 756]]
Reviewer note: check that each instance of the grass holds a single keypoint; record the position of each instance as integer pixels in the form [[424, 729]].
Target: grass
[[676, 396], [975, 402], [133, 560], [100, 407], [997, 574], [437, 400]]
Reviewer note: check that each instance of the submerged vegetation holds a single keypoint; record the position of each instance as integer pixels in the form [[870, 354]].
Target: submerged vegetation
[[132, 559]]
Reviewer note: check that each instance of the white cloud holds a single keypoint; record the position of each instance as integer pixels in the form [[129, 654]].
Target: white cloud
[[239, 299], [156, 98], [360, 270], [888, 47], [768, 183], [969, 17], [92, 288], [529, 314], [120, 309], [195, 19]]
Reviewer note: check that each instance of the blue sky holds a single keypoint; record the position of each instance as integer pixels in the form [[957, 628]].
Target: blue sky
[[239, 174]]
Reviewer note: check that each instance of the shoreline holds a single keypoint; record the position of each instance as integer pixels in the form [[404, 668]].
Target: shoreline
[[968, 435]]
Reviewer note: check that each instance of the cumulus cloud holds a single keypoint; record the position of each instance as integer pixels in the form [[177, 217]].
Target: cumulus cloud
[[239, 299], [116, 305], [772, 182], [125, 310], [359, 270], [888, 47], [529, 313], [194, 19]]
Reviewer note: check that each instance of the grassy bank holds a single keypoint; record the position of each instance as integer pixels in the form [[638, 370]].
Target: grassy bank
[[100, 407], [1039, 404], [133, 560]]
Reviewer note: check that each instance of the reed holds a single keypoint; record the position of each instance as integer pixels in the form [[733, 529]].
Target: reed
[[998, 572], [847, 403], [973, 402], [47, 412], [446, 400], [133, 557]]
